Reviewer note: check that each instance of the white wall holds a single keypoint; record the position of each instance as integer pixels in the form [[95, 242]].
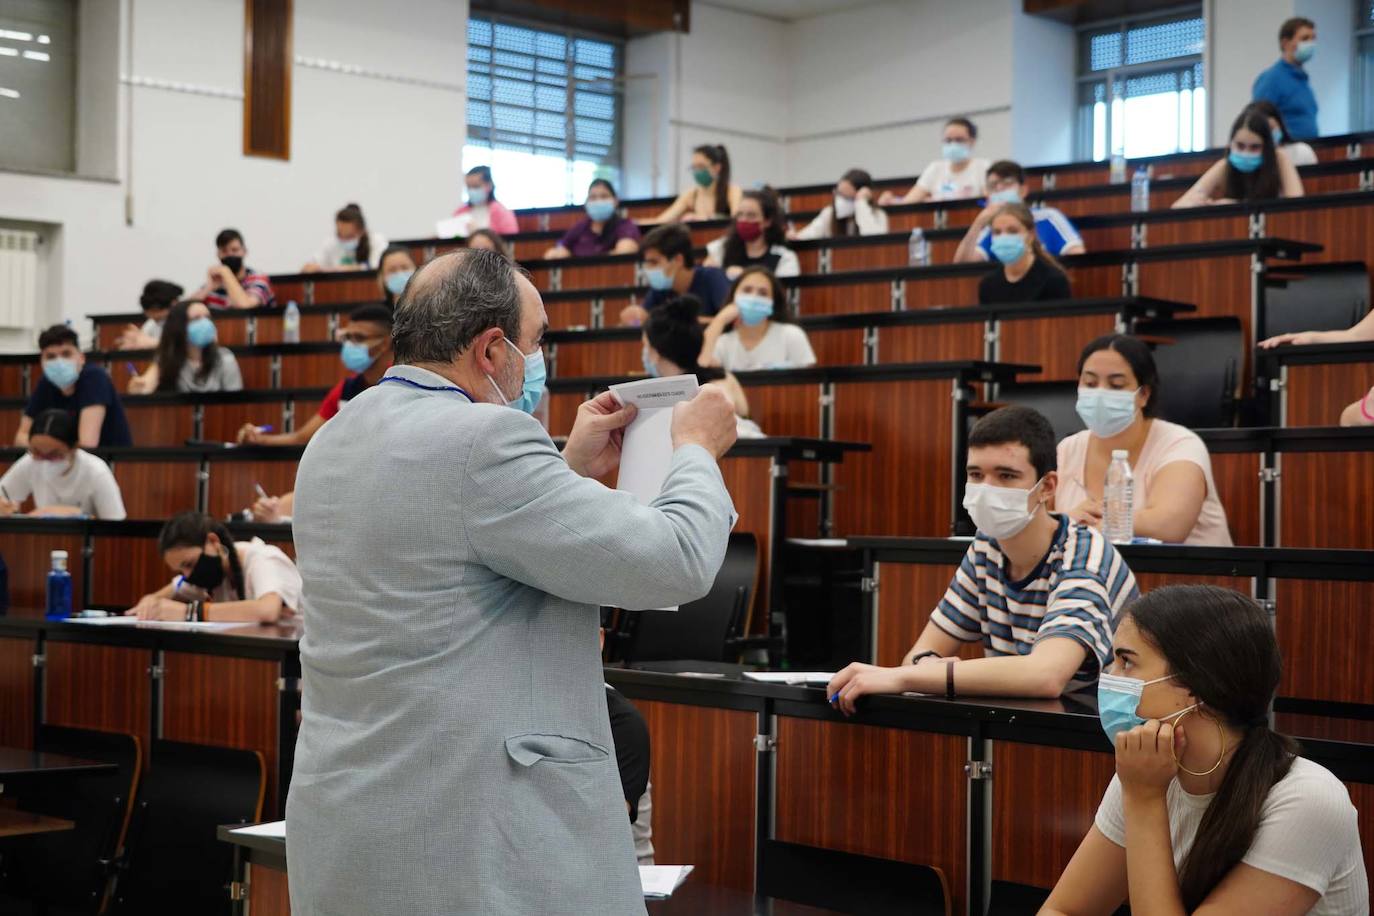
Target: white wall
[[395, 148], [1043, 89], [1332, 69], [1243, 39]]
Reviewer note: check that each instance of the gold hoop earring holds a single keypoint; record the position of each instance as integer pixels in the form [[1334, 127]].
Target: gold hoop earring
[[1221, 732]]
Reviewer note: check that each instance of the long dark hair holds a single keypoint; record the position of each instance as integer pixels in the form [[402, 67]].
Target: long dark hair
[[190, 529], [768, 202], [1137, 355], [391, 249], [608, 229], [860, 179], [780, 312], [716, 155], [673, 330], [1220, 645], [171, 350], [353, 215], [1263, 183], [484, 172]]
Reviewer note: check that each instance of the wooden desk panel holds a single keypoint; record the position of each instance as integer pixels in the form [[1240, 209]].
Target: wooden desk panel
[[29, 558], [126, 569], [903, 485], [868, 257], [1043, 802], [750, 484], [1149, 581], [703, 778], [268, 892], [1317, 394], [578, 313], [1051, 343], [157, 489], [16, 691], [881, 792], [905, 222], [1102, 281], [9, 422], [562, 409], [159, 424], [222, 422], [231, 483], [843, 300], [907, 594], [1344, 231], [1217, 286], [1324, 633], [1188, 231], [787, 410], [1236, 475], [930, 343], [840, 347], [12, 379], [599, 358], [256, 372], [314, 326], [310, 370], [1117, 202], [1317, 507], [946, 291], [362, 288], [1106, 238], [106, 688], [596, 276]]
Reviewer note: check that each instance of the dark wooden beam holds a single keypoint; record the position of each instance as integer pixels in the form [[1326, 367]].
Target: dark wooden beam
[[622, 18], [267, 62]]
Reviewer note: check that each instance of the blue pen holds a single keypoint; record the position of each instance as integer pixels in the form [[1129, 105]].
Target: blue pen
[[264, 429], [835, 697]]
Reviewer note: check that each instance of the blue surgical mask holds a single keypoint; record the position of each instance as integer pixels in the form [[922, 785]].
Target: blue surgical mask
[[955, 151], [1118, 702], [1245, 162], [600, 210], [396, 281], [477, 196], [200, 332], [349, 244], [1304, 51], [1008, 247], [532, 389], [1005, 196], [356, 356], [61, 371], [1277, 134], [649, 368], [1105, 412], [754, 310], [658, 278]]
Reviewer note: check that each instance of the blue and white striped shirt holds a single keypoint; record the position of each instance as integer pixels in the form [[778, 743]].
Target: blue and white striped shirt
[[1077, 592], [1055, 230]]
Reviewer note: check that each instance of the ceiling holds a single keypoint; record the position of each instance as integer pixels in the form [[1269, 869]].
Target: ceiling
[[789, 10]]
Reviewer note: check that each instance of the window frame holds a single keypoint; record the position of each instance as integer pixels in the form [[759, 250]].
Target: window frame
[[1363, 103]]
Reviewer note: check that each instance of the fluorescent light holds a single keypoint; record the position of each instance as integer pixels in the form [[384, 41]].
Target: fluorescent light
[[44, 40], [8, 93], [37, 55], [17, 36], [8, 52]]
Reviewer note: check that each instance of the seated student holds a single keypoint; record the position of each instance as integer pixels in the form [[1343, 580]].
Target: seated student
[[1007, 185], [219, 578], [62, 478], [1298, 152], [351, 247], [487, 240], [957, 176], [669, 263], [672, 342], [1253, 170], [1175, 497], [1026, 271], [756, 238], [483, 209], [712, 195], [86, 392], [232, 284], [187, 357], [366, 354], [762, 337], [850, 212], [274, 510], [602, 231], [1042, 594], [158, 296], [1210, 810], [394, 270]]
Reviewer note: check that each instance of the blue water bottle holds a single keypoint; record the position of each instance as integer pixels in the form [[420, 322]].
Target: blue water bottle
[[59, 588]]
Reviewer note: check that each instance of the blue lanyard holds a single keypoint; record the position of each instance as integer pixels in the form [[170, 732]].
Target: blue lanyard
[[413, 384]]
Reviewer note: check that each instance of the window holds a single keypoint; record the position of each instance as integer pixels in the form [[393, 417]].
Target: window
[[38, 85], [1364, 66], [1140, 88], [543, 110]]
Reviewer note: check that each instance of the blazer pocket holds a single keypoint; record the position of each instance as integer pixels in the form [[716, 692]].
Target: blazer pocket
[[529, 749]]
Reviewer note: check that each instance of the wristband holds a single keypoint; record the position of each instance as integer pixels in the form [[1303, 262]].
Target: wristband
[[915, 659], [949, 681]]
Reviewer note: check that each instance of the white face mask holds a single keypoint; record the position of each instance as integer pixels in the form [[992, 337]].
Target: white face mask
[[999, 512], [844, 206], [52, 470]]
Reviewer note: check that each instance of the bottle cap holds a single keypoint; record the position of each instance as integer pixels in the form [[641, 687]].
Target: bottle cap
[[1120, 453], [59, 554]]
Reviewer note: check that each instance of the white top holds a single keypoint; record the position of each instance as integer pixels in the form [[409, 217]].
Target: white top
[[784, 346], [868, 220], [152, 328], [333, 256], [1300, 153], [788, 264], [89, 485], [1307, 833], [943, 183], [266, 570]]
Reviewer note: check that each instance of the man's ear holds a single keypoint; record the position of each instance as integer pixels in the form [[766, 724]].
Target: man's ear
[[1048, 488], [484, 349]]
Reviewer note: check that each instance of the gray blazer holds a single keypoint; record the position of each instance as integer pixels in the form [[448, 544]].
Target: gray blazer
[[455, 753]]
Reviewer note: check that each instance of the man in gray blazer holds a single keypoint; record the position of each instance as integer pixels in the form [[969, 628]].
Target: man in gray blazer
[[455, 755]]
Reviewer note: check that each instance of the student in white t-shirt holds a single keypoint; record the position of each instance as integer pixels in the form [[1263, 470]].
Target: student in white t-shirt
[[956, 176], [61, 478], [1210, 810], [351, 247], [753, 332], [219, 578]]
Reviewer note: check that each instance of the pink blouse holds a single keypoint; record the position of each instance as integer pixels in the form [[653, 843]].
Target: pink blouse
[[1166, 444]]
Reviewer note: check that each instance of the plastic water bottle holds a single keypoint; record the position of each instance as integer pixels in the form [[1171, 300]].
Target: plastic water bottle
[[918, 248], [1117, 174], [291, 324], [1140, 190], [1118, 497], [59, 588]]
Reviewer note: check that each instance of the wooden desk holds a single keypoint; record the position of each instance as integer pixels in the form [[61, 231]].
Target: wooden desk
[[1311, 385], [17, 763], [23, 823]]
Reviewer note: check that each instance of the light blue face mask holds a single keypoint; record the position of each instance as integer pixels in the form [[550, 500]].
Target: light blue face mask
[[200, 332], [396, 282], [1105, 412], [1245, 162], [600, 210], [753, 310], [1277, 134], [1005, 196], [649, 368], [1008, 248], [356, 356], [532, 389], [1118, 702], [658, 278], [477, 196], [955, 151], [61, 371], [1304, 51]]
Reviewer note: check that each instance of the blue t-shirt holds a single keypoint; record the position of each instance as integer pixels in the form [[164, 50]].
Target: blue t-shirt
[[93, 386], [1054, 229], [1287, 87], [709, 284]]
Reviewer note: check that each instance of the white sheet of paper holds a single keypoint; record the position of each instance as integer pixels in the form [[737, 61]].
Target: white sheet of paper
[[647, 451], [795, 678], [662, 880], [273, 829], [160, 624], [454, 227]]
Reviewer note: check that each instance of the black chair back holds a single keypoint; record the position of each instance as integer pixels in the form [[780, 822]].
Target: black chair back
[[1200, 362], [1055, 401], [1314, 297]]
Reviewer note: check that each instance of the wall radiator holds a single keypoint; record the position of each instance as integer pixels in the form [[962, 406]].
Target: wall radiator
[[19, 279]]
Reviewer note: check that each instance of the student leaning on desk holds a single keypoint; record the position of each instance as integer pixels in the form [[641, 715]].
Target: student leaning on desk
[[1042, 594]]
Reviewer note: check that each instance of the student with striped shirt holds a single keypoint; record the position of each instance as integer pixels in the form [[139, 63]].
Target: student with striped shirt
[[1006, 184], [1042, 595]]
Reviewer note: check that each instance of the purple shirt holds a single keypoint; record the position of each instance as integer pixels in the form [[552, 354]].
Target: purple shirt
[[583, 242]]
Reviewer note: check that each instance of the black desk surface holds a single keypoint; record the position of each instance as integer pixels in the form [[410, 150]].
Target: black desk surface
[[21, 762]]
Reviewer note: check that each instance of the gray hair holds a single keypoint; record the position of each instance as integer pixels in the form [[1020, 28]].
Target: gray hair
[[451, 301]]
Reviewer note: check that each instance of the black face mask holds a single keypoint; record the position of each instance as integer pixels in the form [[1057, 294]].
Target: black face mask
[[208, 573], [233, 261]]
